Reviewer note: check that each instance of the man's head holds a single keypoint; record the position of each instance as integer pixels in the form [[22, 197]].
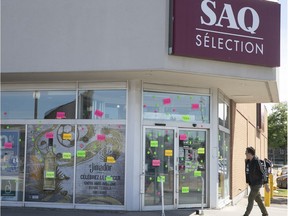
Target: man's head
[[250, 153]]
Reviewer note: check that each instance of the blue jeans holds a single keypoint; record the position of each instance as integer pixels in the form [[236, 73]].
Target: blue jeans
[[255, 195]]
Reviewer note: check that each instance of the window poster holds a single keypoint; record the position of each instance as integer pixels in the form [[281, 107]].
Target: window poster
[[50, 163], [9, 164], [100, 171]]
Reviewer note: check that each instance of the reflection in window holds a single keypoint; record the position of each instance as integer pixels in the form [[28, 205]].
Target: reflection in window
[[17, 105], [50, 163], [38, 105], [12, 162], [176, 107], [102, 104]]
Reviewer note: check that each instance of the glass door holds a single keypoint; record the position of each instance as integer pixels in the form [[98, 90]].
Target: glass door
[[159, 163], [191, 162]]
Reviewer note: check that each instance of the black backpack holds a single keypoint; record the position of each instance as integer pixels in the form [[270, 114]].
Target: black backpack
[[265, 168]]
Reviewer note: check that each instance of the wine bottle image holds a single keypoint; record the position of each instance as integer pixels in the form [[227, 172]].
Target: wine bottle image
[[49, 168]]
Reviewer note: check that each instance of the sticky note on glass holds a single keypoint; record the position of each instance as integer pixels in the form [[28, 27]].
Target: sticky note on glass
[[166, 101], [197, 173], [67, 136], [156, 163], [111, 159], [109, 178], [101, 137], [168, 153], [8, 145], [66, 155], [49, 135], [195, 106], [201, 151], [185, 189], [186, 118], [161, 178], [49, 174], [98, 113], [154, 143], [183, 137], [81, 154], [60, 115]]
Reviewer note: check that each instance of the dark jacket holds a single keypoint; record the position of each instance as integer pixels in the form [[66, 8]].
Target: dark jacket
[[254, 173]]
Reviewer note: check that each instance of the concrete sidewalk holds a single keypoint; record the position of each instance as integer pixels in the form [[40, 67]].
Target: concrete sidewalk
[[278, 208]]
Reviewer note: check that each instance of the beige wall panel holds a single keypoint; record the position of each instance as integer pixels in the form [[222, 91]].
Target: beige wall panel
[[251, 135]]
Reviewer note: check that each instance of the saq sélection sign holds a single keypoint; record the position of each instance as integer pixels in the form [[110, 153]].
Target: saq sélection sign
[[240, 31]]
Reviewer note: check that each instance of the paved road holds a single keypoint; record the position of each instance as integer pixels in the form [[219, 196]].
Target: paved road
[[278, 208]]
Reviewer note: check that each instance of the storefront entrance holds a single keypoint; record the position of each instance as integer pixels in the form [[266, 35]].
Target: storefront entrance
[[178, 157]]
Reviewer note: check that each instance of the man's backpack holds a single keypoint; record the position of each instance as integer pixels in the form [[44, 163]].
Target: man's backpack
[[265, 168]]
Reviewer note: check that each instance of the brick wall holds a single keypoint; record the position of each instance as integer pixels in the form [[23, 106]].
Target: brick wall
[[244, 133]]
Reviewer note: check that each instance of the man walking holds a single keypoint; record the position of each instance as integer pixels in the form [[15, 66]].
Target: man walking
[[255, 177]]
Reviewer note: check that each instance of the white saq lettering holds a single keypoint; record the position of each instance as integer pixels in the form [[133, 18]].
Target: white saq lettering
[[227, 13]]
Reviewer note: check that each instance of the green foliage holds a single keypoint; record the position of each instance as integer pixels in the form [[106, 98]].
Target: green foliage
[[277, 126]]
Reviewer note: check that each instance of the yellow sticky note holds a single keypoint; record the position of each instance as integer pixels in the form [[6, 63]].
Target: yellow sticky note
[[111, 159], [66, 155], [81, 153], [201, 150], [67, 136], [168, 153], [50, 174], [197, 173], [185, 189]]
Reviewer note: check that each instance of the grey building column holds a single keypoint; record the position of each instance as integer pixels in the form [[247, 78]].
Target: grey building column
[[213, 149], [133, 148]]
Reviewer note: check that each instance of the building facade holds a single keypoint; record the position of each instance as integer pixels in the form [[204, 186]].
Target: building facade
[[101, 103]]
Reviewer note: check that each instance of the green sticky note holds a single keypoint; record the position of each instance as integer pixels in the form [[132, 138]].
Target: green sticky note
[[50, 174], [109, 178], [81, 153], [150, 178], [186, 118], [197, 173], [159, 178], [66, 155], [201, 150], [153, 143], [148, 152], [185, 189]]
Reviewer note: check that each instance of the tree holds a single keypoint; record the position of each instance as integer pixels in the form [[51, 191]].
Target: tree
[[277, 126]]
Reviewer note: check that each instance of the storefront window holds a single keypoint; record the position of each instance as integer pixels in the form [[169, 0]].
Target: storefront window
[[176, 107], [102, 104], [50, 163], [38, 105], [17, 105], [100, 169], [12, 162], [223, 146]]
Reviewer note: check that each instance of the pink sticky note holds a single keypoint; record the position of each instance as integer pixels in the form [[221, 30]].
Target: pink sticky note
[[60, 115], [98, 113], [156, 163], [195, 106], [49, 135], [183, 136], [8, 145], [101, 137], [166, 101]]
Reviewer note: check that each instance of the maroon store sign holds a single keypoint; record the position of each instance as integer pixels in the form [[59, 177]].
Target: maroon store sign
[[241, 31]]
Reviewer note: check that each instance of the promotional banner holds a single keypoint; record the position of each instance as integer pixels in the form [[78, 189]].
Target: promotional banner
[[50, 163], [100, 171], [241, 31]]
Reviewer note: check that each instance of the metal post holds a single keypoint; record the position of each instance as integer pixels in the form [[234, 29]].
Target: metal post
[[162, 196], [202, 201]]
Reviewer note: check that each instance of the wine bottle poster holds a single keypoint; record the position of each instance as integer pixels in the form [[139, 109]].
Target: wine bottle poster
[[49, 175]]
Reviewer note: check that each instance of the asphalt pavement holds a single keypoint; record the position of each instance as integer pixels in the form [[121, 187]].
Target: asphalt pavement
[[277, 208]]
